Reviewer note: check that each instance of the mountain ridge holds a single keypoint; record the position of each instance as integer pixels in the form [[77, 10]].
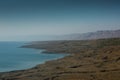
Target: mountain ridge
[[92, 35]]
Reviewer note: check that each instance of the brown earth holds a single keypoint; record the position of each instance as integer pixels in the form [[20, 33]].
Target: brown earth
[[88, 60]]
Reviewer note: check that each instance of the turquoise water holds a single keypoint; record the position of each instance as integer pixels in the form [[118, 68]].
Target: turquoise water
[[12, 57]]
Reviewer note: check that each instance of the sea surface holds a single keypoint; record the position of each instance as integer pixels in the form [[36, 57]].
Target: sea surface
[[12, 57]]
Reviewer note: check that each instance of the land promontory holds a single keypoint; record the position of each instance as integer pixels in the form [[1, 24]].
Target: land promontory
[[87, 60]]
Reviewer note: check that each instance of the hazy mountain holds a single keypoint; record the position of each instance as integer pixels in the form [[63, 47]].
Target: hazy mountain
[[78, 36], [92, 35]]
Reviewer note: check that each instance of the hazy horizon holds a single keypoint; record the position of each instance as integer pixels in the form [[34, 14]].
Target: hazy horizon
[[25, 20]]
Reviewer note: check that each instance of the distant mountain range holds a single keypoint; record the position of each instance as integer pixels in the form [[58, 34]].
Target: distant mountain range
[[92, 35], [78, 36]]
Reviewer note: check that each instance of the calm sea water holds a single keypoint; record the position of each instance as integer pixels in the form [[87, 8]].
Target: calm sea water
[[12, 57]]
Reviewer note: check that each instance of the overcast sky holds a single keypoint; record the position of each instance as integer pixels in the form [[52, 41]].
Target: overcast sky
[[22, 18]]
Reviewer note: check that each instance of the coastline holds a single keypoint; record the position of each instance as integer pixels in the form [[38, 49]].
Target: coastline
[[88, 60], [25, 58]]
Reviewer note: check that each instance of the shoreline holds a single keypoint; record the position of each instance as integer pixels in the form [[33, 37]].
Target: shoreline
[[88, 60], [38, 63]]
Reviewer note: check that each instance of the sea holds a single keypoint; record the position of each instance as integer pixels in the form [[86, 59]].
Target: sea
[[13, 57]]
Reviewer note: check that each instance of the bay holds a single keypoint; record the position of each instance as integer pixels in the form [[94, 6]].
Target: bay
[[12, 57]]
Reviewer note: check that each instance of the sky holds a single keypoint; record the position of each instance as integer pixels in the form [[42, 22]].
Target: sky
[[30, 19]]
